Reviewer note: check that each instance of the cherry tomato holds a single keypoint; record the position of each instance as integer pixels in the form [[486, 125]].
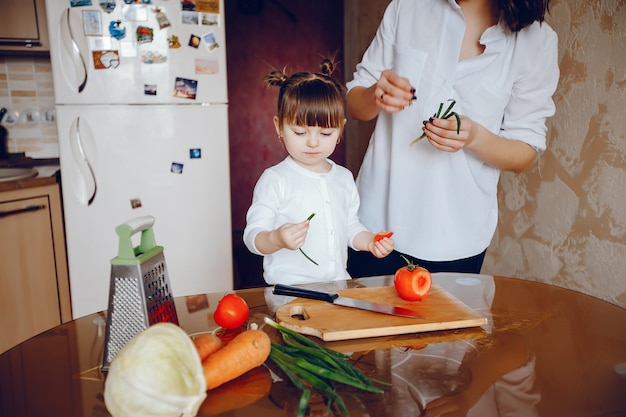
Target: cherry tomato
[[231, 312], [412, 282], [382, 235]]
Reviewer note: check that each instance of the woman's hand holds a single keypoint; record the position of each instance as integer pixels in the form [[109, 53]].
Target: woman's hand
[[442, 133], [392, 92]]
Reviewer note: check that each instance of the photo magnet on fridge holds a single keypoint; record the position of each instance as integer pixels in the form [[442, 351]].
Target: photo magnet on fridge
[[177, 168], [92, 23], [195, 153], [185, 88], [194, 41], [210, 42], [77, 3]]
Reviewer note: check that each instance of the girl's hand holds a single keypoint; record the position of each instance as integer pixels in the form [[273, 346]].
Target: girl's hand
[[380, 248], [393, 93], [442, 133], [292, 236]]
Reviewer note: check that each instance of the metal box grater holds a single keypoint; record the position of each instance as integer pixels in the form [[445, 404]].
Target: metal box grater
[[139, 292]]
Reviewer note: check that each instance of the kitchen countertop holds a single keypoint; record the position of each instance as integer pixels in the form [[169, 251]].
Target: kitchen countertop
[[47, 172]]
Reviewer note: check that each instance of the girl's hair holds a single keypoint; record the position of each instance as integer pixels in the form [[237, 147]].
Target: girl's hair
[[309, 98], [517, 14]]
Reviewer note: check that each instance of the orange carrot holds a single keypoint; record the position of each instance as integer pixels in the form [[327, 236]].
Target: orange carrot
[[207, 344], [246, 351]]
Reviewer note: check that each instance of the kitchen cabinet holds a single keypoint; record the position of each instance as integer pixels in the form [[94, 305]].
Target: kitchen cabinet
[[23, 26], [34, 280]]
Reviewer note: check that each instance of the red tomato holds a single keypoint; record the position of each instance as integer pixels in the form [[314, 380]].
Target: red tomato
[[412, 282], [382, 235], [231, 312]]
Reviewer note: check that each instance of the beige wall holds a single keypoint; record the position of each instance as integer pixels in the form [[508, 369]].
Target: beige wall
[[564, 221]]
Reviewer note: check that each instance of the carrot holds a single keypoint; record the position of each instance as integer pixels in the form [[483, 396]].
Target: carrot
[[207, 344], [246, 351]]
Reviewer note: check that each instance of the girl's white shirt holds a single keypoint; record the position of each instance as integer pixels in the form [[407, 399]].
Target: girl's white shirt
[[289, 193], [443, 206]]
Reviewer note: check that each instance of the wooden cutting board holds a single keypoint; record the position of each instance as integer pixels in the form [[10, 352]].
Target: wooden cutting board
[[329, 322]]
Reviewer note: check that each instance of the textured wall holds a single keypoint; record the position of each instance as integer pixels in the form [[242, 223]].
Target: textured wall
[[564, 221]]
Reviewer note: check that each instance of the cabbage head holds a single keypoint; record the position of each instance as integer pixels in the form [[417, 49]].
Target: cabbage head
[[157, 373]]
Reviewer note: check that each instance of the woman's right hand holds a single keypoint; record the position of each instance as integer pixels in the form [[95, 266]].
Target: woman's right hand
[[393, 92]]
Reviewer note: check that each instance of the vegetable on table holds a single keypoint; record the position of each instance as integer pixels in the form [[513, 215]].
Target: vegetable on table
[[382, 235], [412, 282], [157, 373], [246, 351], [310, 366], [305, 255], [207, 344], [232, 312], [446, 115]]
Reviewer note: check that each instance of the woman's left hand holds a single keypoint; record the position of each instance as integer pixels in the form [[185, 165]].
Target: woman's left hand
[[442, 133]]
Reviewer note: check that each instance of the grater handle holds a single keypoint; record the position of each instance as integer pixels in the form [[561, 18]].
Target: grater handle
[[125, 231]]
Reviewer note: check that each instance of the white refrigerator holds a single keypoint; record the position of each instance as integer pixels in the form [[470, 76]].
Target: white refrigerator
[[142, 116]]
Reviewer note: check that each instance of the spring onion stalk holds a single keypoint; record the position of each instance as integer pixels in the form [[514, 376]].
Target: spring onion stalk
[[310, 365], [446, 115], [300, 249]]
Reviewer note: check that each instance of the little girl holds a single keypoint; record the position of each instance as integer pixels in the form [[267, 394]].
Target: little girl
[[304, 209]]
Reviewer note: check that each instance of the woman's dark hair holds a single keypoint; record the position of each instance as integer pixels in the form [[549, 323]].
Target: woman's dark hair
[[309, 98], [517, 14]]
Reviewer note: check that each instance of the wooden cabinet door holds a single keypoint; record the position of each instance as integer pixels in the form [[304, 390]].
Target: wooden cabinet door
[[29, 296]]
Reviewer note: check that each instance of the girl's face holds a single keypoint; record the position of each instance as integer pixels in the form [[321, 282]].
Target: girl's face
[[309, 146]]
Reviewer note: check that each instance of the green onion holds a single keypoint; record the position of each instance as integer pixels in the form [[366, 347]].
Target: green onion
[[308, 364], [300, 249], [446, 115]]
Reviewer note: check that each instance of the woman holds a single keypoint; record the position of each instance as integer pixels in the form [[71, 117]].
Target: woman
[[495, 61]]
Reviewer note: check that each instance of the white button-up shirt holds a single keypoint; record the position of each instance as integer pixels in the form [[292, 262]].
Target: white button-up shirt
[[289, 193], [443, 206]]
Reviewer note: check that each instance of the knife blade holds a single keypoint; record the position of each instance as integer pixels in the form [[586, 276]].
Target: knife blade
[[281, 289]]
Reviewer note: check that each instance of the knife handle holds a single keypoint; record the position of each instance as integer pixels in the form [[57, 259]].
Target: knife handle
[[280, 289]]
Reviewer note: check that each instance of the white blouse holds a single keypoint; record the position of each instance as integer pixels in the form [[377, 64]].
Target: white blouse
[[289, 193], [443, 206]]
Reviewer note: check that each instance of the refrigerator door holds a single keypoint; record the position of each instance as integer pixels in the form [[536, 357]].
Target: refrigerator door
[[163, 55], [123, 162]]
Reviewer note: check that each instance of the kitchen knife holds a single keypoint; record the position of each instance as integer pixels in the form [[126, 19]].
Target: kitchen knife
[[280, 289]]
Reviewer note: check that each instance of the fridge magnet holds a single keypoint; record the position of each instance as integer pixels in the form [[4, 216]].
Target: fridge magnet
[[210, 42], [153, 57], [196, 302], [162, 19], [105, 59], [144, 34], [177, 168], [195, 153], [206, 66], [208, 6], [194, 41], [116, 30], [150, 89], [189, 18], [77, 3], [185, 88], [92, 23], [209, 19], [188, 5], [107, 5], [172, 42], [11, 117], [135, 203], [138, 1]]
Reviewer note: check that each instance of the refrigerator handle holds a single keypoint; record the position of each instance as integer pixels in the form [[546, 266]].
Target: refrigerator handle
[[77, 60], [87, 189]]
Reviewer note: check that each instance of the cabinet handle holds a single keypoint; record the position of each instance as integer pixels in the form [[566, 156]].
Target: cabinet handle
[[21, 210]]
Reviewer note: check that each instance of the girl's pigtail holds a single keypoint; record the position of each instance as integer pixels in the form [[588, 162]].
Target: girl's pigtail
[[275, 78], [328, 66]]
